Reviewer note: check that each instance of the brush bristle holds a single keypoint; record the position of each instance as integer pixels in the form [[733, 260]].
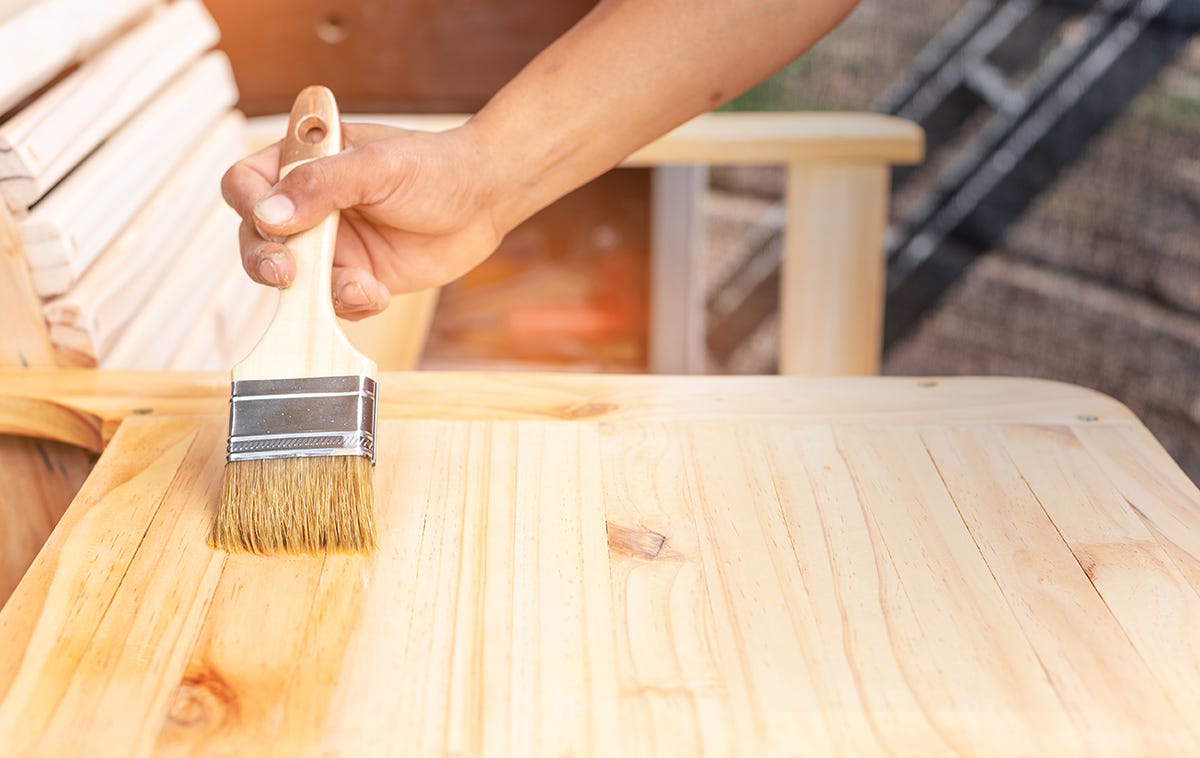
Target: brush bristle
[[296, 506]]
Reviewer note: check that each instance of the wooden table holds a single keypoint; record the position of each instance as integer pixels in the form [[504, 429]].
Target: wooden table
[[625, 565]]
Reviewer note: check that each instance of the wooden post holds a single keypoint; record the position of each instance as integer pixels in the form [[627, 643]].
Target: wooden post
[[833, 268], [677, 269]]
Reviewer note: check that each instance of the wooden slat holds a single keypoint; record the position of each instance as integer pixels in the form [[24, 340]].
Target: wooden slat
[[1051, 595], [627, 585], [41, 679], [230, 324], [1161, 495], [10, 8], [717, 138], [1136, 578], [39, 41], [153, 337], [43, 142], [678, 701], [85, 407], [68, 229], [26, 342], [88, 319]]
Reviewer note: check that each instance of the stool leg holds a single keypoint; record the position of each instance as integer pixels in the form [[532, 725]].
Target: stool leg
[[833, 269]]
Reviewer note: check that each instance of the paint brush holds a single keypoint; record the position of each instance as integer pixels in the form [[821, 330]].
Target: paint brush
[[299, 476]]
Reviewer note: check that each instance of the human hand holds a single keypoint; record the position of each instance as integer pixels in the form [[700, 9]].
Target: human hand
[[417, 212]]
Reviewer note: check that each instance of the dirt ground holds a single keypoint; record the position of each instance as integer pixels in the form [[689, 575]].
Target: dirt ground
[[1099, 283]]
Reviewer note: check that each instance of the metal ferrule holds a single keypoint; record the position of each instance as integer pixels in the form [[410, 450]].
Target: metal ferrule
[[296, 418]]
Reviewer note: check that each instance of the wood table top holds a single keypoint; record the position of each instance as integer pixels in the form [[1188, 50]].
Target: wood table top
[[576, 565]]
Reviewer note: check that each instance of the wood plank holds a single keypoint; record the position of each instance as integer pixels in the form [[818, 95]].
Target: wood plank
[[84, 407], [26, 342], [774, 585], [1053, 599], [1136, 578], [410, 630], [69, 228], [152, 339], [45, 140], [40, 479], [724, 138], [984, 670], [39, 41], [230, 324], [77, 574], [10, 8], [1155, 490], [834, 265], [88, 319], [669, 674]]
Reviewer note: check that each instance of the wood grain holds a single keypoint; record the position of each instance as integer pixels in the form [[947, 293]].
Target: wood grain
[[47, 139], [69, 228], [26, 342], [88, 319], [39, 41], [84, 408], [834, 264], [642, 580], [152, 339]]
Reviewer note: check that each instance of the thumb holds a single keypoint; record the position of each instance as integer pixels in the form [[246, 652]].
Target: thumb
[[313, 190]]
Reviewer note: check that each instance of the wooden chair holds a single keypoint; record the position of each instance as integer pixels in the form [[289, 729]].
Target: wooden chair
[[116, 251]]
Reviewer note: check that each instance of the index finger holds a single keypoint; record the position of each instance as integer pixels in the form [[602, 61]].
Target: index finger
[[250, 179]]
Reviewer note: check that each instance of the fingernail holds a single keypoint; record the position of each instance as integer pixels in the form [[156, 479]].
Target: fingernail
[[353, 294], [275, 209], [268, 237], [268, 272]]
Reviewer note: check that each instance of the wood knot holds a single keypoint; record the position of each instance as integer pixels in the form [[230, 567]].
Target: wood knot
[[203, 700], [590, 410], [638, 543]]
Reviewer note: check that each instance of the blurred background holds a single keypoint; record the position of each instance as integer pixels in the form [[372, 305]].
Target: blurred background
[[1053, 229]]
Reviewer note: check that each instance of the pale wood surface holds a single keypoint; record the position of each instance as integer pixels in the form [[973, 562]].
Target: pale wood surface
[[88, 319], [10, 8], [42, 39], [719, 138], [230, 323], [84, 408], [304, 338], [639, 565], [152, 339], [69, 228], [26, 342], [834, 264], [43, 142]]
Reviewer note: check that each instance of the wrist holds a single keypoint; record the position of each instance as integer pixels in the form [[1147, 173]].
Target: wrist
[[517, 165]]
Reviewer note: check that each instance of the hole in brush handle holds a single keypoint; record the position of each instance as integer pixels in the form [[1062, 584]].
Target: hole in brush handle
[[311, 130]]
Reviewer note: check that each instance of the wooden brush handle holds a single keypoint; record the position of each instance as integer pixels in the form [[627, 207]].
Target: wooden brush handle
[[304, 338]]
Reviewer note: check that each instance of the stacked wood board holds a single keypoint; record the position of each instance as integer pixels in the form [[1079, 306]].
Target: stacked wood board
[[117, 249]]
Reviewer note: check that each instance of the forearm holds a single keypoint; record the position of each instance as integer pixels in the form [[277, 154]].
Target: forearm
[[626, 74]]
